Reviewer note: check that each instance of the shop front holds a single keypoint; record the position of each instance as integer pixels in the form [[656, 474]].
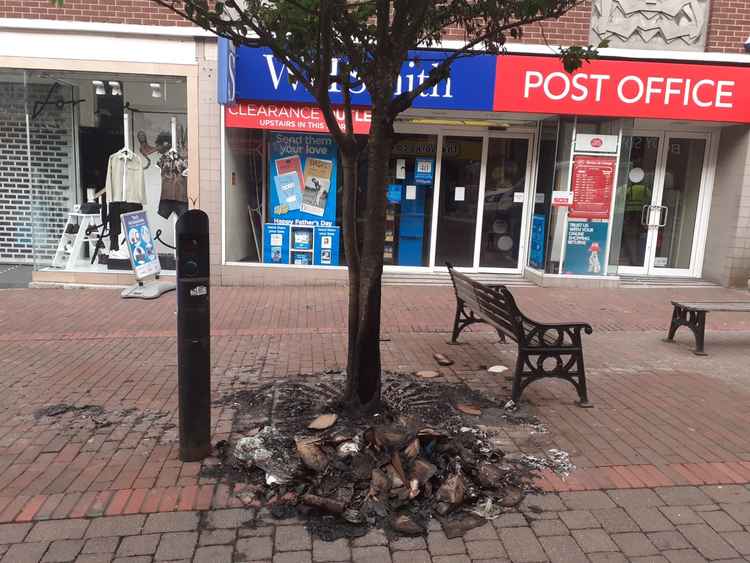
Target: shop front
[[84, 141], [510, 166]]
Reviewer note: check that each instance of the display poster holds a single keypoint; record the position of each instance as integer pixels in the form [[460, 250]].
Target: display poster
[[302, 238], [143, 257], [302, 172], [584, 248], [591, 184], [424, 171], [275, 244], [327, 246], [536, 253]]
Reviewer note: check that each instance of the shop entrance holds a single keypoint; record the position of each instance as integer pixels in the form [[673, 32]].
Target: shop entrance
[[661, 191], [483, 202]]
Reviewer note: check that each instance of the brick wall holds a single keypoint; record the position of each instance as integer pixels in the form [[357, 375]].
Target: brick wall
[[141, 12], [727, 258], [571, 29], [728, 26], [41, 210]]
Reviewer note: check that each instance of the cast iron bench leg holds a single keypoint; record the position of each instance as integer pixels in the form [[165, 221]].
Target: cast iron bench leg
[[583, 393], [677, 317], [456, 323], [698, 326]]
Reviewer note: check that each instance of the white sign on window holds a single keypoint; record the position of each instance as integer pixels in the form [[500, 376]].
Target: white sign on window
[[400, 168], [411, 192], [460, 193], [518, 197], [586, 142], [562, 199]]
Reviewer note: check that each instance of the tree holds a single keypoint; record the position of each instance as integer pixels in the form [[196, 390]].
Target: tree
[[371, 40]]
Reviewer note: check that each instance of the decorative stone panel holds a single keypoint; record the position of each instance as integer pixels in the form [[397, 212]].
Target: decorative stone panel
[[679, 25]]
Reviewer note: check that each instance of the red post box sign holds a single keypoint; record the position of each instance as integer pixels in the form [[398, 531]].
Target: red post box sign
[[533, 84]]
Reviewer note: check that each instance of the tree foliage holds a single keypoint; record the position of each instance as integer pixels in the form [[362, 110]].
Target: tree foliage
[[373, 37], [370, 40]]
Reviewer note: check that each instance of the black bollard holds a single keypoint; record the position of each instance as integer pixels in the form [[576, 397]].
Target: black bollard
[[193, 336]]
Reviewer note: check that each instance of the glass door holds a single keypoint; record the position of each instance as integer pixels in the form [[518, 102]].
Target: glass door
[[657, 208], [504, 205], [637, 179], [460, 172], [675, 217]]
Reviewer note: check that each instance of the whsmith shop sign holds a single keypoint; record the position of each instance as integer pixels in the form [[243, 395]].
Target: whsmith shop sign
[[259, 94]]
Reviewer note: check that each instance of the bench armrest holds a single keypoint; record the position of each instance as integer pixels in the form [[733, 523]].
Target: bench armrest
[[586, 327]]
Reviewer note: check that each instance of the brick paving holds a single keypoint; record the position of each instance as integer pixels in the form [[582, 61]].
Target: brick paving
[[663, 459]]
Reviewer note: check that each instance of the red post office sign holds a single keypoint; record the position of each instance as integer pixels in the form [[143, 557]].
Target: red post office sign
[[592, 183], [533, 84], [291, 117]]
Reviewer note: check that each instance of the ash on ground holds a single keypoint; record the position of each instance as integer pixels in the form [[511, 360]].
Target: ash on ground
[[434, 450]]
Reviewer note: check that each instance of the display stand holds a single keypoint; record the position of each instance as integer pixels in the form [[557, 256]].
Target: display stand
[[148, 290], [71, 245], [143, 257]]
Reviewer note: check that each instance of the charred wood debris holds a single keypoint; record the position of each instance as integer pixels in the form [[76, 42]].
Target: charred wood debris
[[433, 450]]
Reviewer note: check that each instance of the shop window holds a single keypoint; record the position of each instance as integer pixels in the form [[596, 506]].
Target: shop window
[[70, 184], [282, 198], [545, 184], [244, 196], [560, 183]]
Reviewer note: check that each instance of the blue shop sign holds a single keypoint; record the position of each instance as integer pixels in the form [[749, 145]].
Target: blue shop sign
[[260, 76], [227, 71]]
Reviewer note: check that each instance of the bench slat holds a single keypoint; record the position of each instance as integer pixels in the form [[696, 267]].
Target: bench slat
[[717, 306]]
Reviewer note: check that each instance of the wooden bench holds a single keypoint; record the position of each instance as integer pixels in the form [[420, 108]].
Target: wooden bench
[[692, 314], [544, 350]]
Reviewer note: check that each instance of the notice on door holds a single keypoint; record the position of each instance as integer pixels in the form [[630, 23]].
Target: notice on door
[[592, 183]]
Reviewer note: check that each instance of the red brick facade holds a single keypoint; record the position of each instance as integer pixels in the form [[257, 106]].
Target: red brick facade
[[728, 28], [571, 29], [140, 12]]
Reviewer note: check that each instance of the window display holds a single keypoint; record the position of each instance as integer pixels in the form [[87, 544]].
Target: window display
[[98, 147], [281, 198], [302, 169]]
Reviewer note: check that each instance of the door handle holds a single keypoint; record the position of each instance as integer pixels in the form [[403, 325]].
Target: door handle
[[644, 215], [662, 223]]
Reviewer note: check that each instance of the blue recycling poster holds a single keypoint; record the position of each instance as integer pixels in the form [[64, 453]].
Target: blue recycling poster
[[302, 179], [585, 246], [536, 253]]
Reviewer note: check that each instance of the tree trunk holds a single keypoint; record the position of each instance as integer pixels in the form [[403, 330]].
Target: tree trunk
[[366, 268]]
